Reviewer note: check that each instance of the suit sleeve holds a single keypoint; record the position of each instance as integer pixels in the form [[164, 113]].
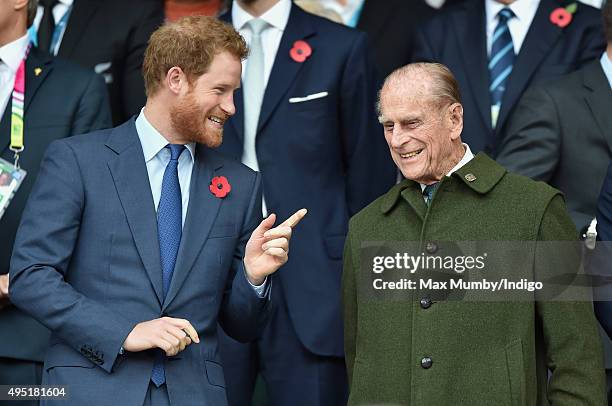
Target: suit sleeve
[[601, 263], [532, 142], [370, 172], [94, 108], [244, 313], [132, 82], [349, 303], [43, 248], [574, 354]]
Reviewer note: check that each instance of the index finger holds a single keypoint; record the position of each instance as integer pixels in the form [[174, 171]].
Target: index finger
[[295, 218]]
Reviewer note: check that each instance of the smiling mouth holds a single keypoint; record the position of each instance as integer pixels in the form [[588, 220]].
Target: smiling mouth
[[217, 120], [412, 154]]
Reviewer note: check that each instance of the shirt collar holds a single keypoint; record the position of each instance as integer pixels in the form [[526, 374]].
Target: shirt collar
[[152, 141], [67, 3], [277, 16], [524, 10], [12, 53], [606, 65], [467, 157]]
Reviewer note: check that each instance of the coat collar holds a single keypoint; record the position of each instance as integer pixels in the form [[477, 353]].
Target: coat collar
[[481, 175]]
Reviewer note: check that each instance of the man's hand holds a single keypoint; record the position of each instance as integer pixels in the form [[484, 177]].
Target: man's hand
[[268, 248], [170, 334], [4, 293]]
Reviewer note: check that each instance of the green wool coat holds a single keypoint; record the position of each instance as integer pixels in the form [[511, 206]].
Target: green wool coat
[[482, 353]]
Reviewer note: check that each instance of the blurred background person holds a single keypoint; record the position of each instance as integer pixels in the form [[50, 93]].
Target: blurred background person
[[390, 25], [175, 9], [306, 120], [561, 133], [61, 99], [497, 48], [108, 36]]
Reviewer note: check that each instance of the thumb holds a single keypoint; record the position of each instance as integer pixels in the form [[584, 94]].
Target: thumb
[[265, 225]]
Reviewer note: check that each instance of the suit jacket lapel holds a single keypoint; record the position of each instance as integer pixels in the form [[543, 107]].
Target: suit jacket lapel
[[285, 69], [201, 215], [36, 60], [540, 38], [131, 179], [599, 99], [469, 24], [80, 17], [5, 127]]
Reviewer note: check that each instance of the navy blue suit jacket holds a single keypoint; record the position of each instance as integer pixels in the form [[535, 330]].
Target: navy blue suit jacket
[[86, 264], [603, 259], [328, 155], [457, 38]]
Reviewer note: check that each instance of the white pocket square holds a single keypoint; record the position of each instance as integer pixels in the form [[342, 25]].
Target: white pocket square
[[102, 69], [308, 98]]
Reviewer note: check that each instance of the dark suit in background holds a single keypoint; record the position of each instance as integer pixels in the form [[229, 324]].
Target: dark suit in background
[[390, 26], [561, 133], [600, 265], [326, 154], [62, 100], [110, 36], [457, 38]]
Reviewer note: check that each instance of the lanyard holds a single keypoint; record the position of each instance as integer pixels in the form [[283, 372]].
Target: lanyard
[[17, 113]]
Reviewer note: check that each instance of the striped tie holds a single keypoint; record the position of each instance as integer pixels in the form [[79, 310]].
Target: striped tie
[[501, 61]]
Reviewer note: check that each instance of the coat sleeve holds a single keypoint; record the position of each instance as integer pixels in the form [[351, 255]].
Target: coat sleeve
[[574, 354], [370, 171], [243, 313], [43, 248], [532, 142]]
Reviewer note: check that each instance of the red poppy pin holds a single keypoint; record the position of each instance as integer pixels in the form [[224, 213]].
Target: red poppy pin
[[561, 17], [300, 51], [220, 187]]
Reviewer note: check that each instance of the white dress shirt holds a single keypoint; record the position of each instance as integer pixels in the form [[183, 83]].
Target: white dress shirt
[[346, 12], [524, 11], [157, 157], [467, 157], [606, 65], [60, 9], [11, 56], [277, 18]]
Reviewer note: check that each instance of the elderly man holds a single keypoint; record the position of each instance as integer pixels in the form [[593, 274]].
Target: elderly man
[[422, 352]]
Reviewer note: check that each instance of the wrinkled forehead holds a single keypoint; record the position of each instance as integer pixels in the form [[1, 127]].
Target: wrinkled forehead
[[398, 102]]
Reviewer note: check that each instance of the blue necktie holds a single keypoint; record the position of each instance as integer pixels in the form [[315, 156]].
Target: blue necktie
[[428, 192], [501, 61], [169, 230]]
